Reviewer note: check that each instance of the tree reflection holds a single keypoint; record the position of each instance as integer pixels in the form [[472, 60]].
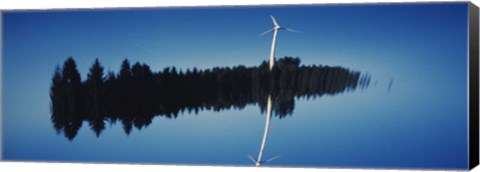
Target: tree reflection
[[136, 95]]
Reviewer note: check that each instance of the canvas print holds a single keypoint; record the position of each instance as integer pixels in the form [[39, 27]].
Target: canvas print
[[336, 86]]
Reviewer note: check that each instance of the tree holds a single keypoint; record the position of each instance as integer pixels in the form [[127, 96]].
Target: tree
[[70, 73], [57, 95], [95, 78], [135, 95], [137, 70], [72, 81], [95, 88], [125, 72]]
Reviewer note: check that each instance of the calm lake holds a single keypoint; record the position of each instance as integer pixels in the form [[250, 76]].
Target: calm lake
[[391, 93]]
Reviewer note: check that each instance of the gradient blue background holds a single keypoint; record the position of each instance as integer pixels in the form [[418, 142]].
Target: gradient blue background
[[420, 123]]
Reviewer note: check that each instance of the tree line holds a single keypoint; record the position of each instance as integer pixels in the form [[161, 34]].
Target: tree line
[[135, 95]]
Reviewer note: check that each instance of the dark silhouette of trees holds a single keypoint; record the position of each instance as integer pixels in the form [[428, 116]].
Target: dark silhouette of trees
[[67, 100], [125, 72], [136, 95], [57, 97], [95, 93]]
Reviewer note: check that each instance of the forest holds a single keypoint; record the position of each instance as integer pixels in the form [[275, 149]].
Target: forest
[[135, 95]]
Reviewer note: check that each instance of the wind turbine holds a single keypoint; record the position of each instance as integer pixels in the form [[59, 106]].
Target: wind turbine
[[275, 29], [259, 161]]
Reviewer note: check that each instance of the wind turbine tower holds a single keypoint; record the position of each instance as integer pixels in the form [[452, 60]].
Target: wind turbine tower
[[275, 29]]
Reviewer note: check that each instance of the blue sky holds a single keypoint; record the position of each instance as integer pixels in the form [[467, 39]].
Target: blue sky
[[226, 36], [387, 41], [423, 47]]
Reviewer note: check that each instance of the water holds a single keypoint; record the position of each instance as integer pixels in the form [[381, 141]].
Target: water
[[412, 113], [312, 127]]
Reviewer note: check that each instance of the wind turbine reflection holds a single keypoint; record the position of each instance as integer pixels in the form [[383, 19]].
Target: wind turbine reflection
[[259, 161]]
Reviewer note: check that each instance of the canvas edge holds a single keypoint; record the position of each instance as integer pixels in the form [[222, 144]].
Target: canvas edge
[[473, 59]]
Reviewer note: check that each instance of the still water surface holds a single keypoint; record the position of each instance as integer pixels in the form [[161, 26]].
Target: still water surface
[[412, 114], [357, 124]]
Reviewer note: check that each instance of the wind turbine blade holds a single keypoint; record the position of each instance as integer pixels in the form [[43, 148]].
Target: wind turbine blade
[[291, 30], [251, 158], [271, 159], [268, 31], [274, 21]]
